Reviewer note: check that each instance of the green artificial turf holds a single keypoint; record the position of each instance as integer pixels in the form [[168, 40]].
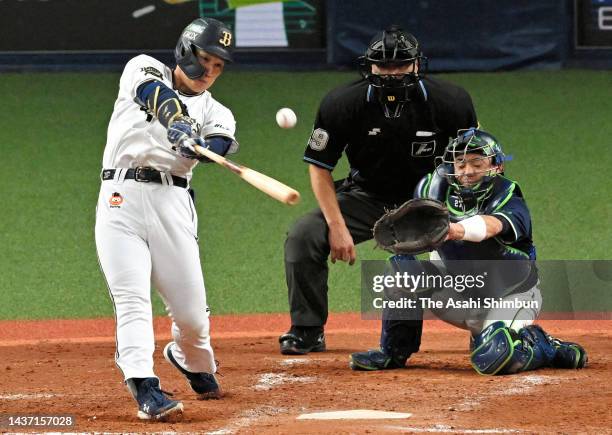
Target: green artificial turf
[[555, 124]]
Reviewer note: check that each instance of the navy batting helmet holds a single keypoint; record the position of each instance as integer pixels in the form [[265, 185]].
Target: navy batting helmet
[[206, 34]]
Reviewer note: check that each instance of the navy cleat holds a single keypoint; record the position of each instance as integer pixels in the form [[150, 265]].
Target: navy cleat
[[302, 340], [204, 384], [569, 355], [152, 401], [374, 360]]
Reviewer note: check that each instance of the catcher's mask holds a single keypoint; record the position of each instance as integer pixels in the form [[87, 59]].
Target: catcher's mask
[[206, 34], [469, 142], [393, 47]]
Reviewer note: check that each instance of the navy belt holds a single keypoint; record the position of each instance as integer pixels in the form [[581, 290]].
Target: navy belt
[[143, 174]]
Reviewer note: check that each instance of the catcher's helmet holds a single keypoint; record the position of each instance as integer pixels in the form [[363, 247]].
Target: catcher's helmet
[[393, 47], [207, 34], [472, 141]]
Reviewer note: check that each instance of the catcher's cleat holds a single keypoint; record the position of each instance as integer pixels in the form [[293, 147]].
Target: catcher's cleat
[[569, 355], [152, 401], [300, 341], [204, 384], [373, 360]]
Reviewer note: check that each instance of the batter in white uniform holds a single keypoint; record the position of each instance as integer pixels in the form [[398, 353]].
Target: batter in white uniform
[[146, 223]]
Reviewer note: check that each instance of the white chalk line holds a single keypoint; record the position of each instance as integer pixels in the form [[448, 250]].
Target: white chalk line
[[441, 428], [355, 414], [247, 418], [518, 385], [21, 396], [267, 381], [289, 362]]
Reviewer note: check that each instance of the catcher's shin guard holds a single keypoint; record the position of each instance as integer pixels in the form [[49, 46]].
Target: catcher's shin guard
[[543, 353], [400, 334], [400, 338], [501, 350], [568, 355]]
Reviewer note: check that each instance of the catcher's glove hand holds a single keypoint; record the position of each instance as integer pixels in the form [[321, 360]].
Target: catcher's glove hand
[[417, 226]]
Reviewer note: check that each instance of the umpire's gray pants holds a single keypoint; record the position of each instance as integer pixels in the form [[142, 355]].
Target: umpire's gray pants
[[307, 249]]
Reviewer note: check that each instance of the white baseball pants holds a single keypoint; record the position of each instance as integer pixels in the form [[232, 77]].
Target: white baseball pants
[[147, 232]]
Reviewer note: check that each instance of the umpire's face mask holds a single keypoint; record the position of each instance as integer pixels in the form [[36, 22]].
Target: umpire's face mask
[[393, 86]]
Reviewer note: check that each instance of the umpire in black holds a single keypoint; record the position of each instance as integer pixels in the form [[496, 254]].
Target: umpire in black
[[392, 124]]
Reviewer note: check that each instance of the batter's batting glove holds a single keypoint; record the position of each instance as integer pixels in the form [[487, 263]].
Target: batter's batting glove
[[182, 127], [183, 135], [186, 149]]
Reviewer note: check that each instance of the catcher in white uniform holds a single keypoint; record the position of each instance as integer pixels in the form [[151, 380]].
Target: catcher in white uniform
[[146, 223]]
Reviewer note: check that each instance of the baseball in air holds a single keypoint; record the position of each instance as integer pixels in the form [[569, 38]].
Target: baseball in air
[[286, 118]]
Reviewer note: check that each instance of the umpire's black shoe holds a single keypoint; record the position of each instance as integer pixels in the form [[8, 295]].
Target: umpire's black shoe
[[374, 360], [204, 384], [301, 340]]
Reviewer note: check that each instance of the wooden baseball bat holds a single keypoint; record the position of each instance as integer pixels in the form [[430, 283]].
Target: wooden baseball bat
[[268, 185]]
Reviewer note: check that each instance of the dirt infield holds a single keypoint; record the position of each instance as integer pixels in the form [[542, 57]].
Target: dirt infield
[[67, 367]]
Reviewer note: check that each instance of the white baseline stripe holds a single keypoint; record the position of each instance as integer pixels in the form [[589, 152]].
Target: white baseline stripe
[[441, 428], [27, 396]]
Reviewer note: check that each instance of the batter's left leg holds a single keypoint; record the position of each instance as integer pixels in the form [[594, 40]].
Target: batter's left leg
[[177, 275], [125, 262]]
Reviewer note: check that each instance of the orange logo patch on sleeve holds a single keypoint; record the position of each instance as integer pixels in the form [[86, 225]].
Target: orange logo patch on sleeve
[[116, 200]]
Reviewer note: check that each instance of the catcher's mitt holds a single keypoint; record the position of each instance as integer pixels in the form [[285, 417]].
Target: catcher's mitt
[[417, 226]]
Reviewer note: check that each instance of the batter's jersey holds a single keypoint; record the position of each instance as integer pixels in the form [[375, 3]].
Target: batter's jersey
[[135, 139], [388, 156]]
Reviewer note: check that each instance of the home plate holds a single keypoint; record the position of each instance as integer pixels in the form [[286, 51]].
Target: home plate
[[354, 414]]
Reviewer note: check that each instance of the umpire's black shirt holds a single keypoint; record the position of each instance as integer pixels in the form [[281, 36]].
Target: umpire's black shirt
[[388, 156]]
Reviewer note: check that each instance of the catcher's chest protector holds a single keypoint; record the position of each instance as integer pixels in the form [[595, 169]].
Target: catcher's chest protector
[[439, 189]]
